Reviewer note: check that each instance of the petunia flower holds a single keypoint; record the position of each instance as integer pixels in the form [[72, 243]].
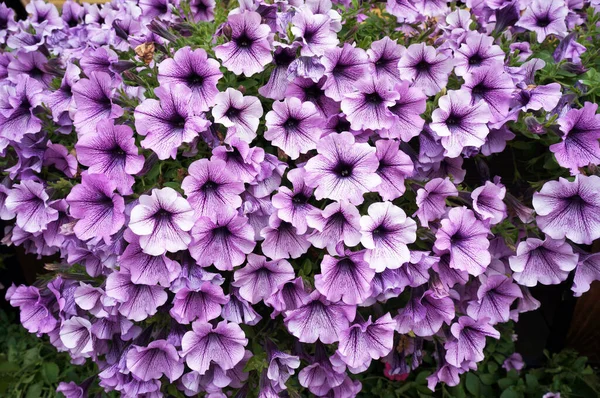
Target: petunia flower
[[343, 68], [293, 126], [534, 97], [384, 55], [111, 150], [202, 304], [587, 271], [431, 199], [292, 204], [260, 278], [17, 104], [222, 345], [368, 106], [403, 10], [488, 202], [545, 17], [210, 186], [548, 262], [76, 336], [407, 110], [492, 86], [470, 338], [137, 302], [239, 113], [579, 146], [152, 362], [386, 231], [241, 160], [195, 70], [238, 310], [278, 83], [61, 101], [342, 169], [288, 296], [99, 209], [425, 315], [162, 221], [478, 51], [314, 32], [460, 124], [203, 10], [249, 49], [465, 238], [346, 278], [223, 242], [365, 341], [394, 167], [169, 121], [570, 209], [29, 201], [319, 319], [494, 298], [94, 101], [281, 365], [425, 67], [339, 221], [282, 240], [307, 90], [58, 155]]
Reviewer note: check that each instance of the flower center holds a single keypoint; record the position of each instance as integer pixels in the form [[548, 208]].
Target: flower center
[[195, 80], [291, 123], [373, 98], [343, 170], [479, 90], [475, 59], [178, 122], [221, 232], [422, 66], [162, 214], [380, 231], [345, 264], [312, 92], [342, 125], [209, 186], [543, 21], [243, 41], [299, 199], [232, 113], [453, 120]]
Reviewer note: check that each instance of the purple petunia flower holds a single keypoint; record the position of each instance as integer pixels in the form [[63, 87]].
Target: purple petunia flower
[[339, 221], [460, 124], [241, 160], [238, 310], [76, 336], [367, 340], [478, 51], [223, 242], [98, 208], [195, 70], [343, 169], [465, 238], [203, 10], [492, 86], [281, 365], [407, 110], [137, 302], [111, 151], [346, 279], [288, 296], [581, 131], [29, 201], [282, 240], [152, 362], [425, 315], [425, 67], [547, 262], [545, 17], [488, 202], [292, 204], [431, 199], [384, 55], [58, 156], [470, 340], [570, 209], [17, 104], [403, 10], [315, 33], [169, 121], [319, 319], [61, 101], [385, 233], [293, 126], [94, 101], [494, 298], [343, 68], [534, 97], [222, 345], [587, 271], [249, 49], [394, 166], [307, 90], [209, 186], [260, 278], [162, 221], [368, 106], [241, 114], [278, 83], [202, 304]]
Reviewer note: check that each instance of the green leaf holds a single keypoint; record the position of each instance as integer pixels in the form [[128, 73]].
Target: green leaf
[[488, 379], [531, 380], [473, 384], [492, 367], [505, 383], [510, 393], [31, 356], [50, 371], [35, 391]]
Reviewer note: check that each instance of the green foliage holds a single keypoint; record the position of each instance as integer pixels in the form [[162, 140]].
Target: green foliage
[[32, 368]]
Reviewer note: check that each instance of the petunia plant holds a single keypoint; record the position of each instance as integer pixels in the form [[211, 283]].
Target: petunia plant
[[296, 198]]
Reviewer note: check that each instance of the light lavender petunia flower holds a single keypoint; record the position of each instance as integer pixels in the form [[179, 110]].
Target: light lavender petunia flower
[[278, 83], [282, 240], [548, 262], [240, 114], [394, 167], [545, 17], [407, 110], [494, 298], [307, 90], [587, 271], [488, 202], [314, 32], [339, 221], [17, 104], [384, 55], [249, 49], [343, 169], [195, 70], [425, 315], [29, 201], [238, 310], [260, 278], [570, 209], [111, 151], [241, 160], [403, 10], [368, 106], [431, 199], [288, 296], [292, 204], [470, 338], [386, 231], [344, 66], [98, 208], [202, 304], [465, 238], [223, 242], [493, 86], [76, 336], [478, 51], [425, 67], [162, 220], [152, 362], [293, 126], [58, 155]]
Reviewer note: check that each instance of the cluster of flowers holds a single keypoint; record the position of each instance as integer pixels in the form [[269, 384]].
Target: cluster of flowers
[[134, 149]]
